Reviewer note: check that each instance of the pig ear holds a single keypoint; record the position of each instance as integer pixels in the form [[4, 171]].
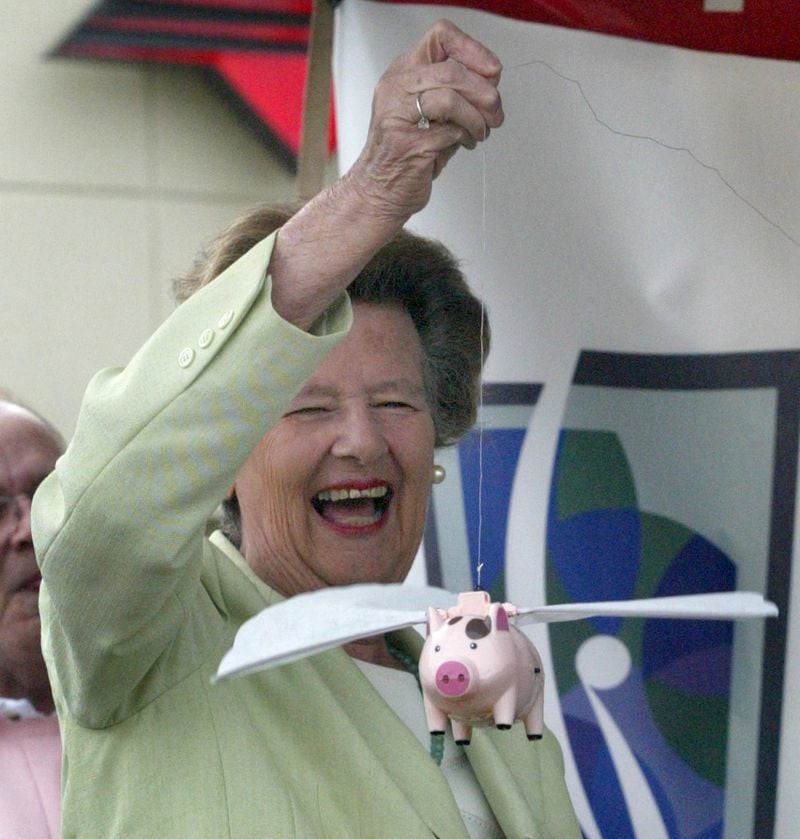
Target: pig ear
[[499, 617], [435, 620]]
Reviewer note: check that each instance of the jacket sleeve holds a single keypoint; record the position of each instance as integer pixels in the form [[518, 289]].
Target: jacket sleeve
[[118, 527]]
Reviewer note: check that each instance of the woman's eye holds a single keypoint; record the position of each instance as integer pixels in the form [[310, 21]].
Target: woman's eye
[[393, 403], [308, 410]]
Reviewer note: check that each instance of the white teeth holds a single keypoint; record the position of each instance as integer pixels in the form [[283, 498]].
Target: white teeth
[[345, 494]]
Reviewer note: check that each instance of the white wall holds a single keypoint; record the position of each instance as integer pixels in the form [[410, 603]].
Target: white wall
[[112, 177]]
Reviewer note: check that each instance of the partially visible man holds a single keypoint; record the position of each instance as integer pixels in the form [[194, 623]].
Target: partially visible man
[[30, 748]]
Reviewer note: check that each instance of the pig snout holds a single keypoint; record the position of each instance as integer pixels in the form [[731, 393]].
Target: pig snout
[[452, 678]]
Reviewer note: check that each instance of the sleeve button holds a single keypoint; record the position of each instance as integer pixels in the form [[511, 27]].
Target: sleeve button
[[205, 339], [226, 319], [185, 357]]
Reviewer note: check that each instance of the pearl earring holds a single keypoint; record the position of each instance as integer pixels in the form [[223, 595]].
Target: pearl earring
[[438, 473]]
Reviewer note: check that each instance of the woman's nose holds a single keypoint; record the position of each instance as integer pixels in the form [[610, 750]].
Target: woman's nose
[[359, 435]]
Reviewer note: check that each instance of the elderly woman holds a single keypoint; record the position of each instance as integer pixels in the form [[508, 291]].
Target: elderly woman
[[315, 414]]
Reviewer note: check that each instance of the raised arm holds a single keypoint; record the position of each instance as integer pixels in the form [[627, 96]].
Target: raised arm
[[321, 250], [119, 527]]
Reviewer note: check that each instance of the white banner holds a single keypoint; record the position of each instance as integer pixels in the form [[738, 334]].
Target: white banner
[[634, 228]]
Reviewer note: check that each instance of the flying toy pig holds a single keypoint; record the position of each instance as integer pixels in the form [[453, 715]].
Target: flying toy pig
[[478, 669]]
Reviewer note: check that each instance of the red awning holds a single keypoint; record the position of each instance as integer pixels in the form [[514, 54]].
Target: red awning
[[255, 50]]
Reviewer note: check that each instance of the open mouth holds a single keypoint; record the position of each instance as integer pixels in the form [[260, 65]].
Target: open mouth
[[353, 508]]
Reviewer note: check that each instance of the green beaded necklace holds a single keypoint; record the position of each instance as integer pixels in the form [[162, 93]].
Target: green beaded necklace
[[437, 740]]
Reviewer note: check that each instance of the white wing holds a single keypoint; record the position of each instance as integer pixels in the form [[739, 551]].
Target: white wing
[[734, 605], [319, 620]]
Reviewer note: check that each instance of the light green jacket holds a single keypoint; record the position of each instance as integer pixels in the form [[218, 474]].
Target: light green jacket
[[138, 607]]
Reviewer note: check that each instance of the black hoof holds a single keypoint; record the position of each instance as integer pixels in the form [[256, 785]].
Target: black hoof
[[503, 727], [463, 742], [533, 737]]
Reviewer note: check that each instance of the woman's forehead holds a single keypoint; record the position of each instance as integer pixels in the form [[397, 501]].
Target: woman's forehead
[[321, 389], [382, 347]]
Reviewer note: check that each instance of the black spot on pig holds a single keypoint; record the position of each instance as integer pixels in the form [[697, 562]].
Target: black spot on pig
[[477, 628]]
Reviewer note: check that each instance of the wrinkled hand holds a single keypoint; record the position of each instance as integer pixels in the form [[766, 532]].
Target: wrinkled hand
[[455, 78], [321, 249]]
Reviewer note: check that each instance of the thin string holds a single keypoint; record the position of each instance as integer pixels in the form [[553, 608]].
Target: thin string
[[479, 567], [649, 139]]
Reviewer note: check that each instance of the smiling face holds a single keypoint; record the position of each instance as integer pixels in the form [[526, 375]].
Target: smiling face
[[337, 491], [28, 453]]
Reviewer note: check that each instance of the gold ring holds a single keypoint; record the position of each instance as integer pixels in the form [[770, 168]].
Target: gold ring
[[424, 122]]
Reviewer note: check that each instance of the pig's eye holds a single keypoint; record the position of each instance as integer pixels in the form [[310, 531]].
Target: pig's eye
[[473, 646], [437, 648]]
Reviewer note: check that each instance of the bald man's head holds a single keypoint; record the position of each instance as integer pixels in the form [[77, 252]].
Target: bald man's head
[[29, 447]]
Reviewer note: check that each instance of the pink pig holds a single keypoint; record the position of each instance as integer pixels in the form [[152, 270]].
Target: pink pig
[[479, 670]]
